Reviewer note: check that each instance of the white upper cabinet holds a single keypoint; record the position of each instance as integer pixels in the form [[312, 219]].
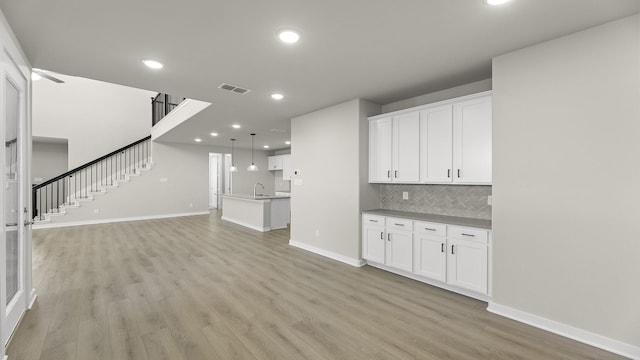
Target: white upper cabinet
[[444, 143], [394, 149], [275, 162], [406, 148], [436, 145], [380, 158], [472, 141]]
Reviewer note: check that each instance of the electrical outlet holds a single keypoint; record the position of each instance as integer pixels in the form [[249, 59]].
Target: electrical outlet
[[317, 232], [163, 179], [489, 200], [96, 211], [405, 195]]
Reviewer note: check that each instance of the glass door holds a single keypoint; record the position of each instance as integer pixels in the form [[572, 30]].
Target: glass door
[[14, 182]]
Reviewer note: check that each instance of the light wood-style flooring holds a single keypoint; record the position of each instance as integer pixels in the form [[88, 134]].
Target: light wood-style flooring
[[200, 288]]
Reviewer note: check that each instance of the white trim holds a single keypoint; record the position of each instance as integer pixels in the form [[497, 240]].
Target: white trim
[[106, 221], [245, 224], [461, 291], [583, 336], [326, 253], [33, 298], [431, 105]]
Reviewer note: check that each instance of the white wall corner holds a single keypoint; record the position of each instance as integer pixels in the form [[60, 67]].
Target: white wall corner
[[583, 336], [326, 253]]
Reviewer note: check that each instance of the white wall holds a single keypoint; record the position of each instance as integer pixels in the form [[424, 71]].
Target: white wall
[[327, 149], [96, 117], [566, 182], [48, 160]]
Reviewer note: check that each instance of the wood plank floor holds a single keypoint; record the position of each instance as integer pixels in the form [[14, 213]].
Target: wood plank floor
[[200, 288]]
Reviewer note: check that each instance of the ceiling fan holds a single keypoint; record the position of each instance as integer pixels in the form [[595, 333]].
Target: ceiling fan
[[37, 74]]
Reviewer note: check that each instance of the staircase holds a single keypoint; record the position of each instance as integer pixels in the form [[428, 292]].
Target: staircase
[[54, 197]]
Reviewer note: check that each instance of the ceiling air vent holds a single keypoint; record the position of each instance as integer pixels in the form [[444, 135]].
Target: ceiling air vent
[[233, 88]]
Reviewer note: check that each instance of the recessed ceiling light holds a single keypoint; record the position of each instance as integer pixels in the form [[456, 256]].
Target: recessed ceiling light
[[289, 36], [266, 146], [236, 126], [277, 96], [35, 77], [288, 142], [496, 2], [197, 139], [214, 134], [152, 64]]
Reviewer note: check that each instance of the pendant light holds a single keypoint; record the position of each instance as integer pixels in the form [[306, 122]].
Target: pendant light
[[253, 166], [233, 167]]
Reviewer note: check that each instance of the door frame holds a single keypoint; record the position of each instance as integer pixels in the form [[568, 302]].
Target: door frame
[[13, 58], [219, 186]]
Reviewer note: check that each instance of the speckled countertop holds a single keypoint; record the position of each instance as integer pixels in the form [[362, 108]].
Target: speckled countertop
[[443, 219]]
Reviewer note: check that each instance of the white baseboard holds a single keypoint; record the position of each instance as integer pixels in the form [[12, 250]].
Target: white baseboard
[[33, 298], [106, 221], [583, 336], [327, 253], [250, 226]]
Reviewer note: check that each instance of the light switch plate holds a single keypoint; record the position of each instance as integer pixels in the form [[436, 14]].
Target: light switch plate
[[489, 200], [405, 195]]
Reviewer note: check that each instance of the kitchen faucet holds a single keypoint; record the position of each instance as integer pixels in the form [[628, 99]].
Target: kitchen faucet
[[254, 188]]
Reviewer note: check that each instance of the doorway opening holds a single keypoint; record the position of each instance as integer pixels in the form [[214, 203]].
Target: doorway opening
[[215, 180]]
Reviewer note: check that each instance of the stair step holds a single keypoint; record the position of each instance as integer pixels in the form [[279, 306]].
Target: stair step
[[58, 213]]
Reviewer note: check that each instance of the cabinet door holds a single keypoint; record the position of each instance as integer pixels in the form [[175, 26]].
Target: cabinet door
[[287, 168], [467, 265], [472, 141], [436, 145], [373, 246], [406, 148], [430, 256], [400, 250], [380, 150], [275, 162]]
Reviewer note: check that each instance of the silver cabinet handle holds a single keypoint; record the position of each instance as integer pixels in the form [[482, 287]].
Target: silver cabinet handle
[[396, 173], [373, 220], [442, 247], [389, 237], [381, 235], [389, 174], [430, 229], [463, 234], [452, 253], [458, 173], [448, 173], [398, 224]]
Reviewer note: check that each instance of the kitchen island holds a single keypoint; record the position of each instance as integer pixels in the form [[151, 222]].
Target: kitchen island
[[261, 212]]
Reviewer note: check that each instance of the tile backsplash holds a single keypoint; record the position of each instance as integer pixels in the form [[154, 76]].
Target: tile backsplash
[[453, 200]]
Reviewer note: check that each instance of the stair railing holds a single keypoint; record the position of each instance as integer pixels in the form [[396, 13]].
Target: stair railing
[[95, 176], [162, 104]]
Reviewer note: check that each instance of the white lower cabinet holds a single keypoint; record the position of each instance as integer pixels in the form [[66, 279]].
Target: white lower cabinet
[[456, 257], [399, 244], [430, 255], [467, 259], [374, 238]]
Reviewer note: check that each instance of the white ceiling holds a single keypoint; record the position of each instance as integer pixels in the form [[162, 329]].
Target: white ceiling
[[378, 50]]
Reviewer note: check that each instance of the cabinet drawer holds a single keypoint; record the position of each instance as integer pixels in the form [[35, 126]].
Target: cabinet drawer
[[430, 228], [372, 220], [471, 234], [399, 224]]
